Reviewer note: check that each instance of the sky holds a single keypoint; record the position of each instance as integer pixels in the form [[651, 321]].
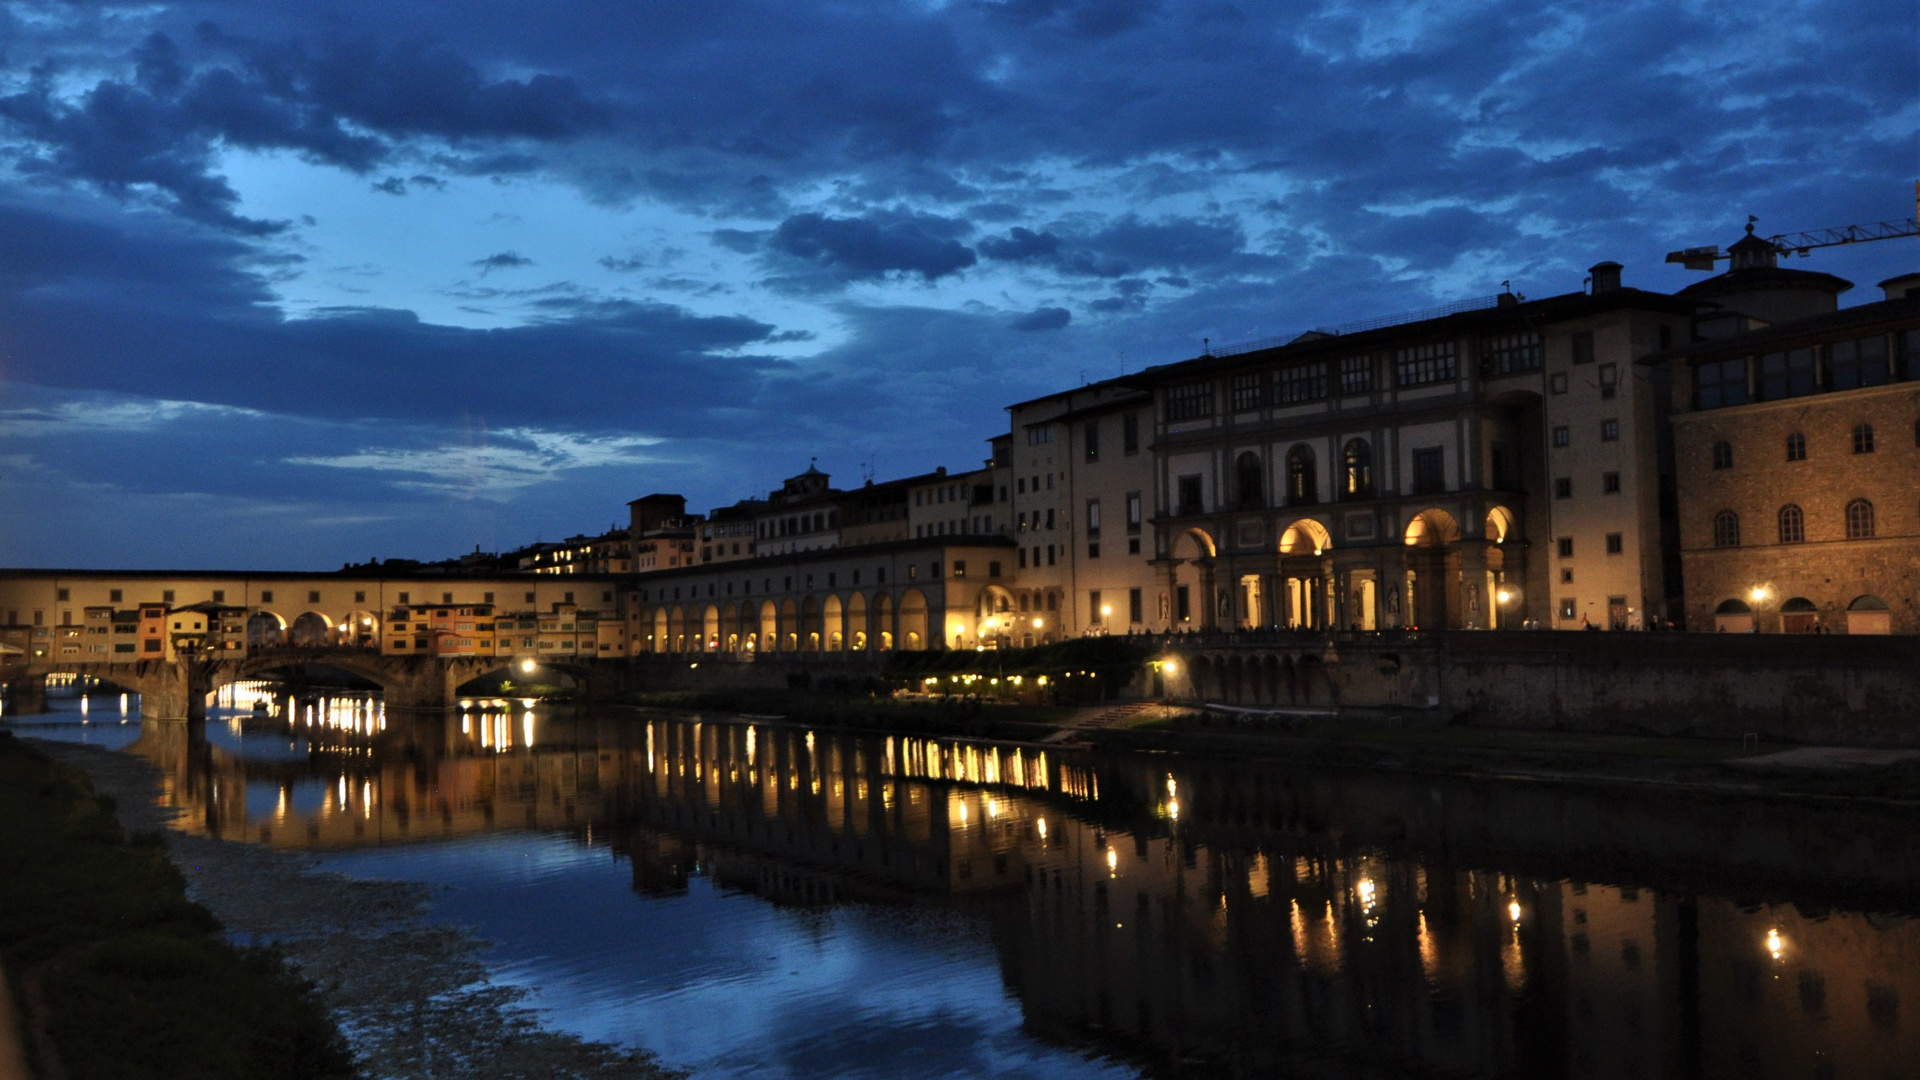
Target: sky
[[284, 285]]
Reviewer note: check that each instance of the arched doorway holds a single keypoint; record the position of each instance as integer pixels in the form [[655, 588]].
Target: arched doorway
[[710, 629], [1733, 617], [1798, 615], [1302, 600], [1869, 615], [1432, 569], [833, 621], [856, 621], [1192, 602], [913, 620], [881, 623], [769, 627]]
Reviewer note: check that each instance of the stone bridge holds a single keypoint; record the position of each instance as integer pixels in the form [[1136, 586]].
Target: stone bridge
[[181, 688]]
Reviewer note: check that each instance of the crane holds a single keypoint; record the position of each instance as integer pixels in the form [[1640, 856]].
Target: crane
[[1800, 243]]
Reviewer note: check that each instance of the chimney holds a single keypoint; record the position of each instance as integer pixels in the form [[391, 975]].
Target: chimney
[[1902, 287], [1606, 276]]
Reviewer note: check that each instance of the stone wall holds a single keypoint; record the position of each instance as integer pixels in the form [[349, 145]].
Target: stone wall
[[1854, 691]]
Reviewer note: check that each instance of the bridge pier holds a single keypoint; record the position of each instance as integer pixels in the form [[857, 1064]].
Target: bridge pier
[[26, 695]]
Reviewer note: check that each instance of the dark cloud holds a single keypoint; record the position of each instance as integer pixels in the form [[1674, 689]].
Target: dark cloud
[[392, 185], [872, 247], [502, 260], [1046, 318]]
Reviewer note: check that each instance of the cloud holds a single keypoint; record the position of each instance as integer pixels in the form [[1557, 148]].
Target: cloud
[[502, 260], [392, 185], [493, 467], [871, 247], [1046, 318]]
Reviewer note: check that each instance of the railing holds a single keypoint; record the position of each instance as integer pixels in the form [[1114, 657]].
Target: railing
[[1378, 322]]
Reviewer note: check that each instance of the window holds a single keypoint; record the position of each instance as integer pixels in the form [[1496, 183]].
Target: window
[[1565, 546], [403, 598], [1859, 520], [1357, 470], [1133, 511], [1788, 374], [1569, 608], [1249, 481], [993, 570], [1562, 435], [1302, 481], [313, 596], [1720, 384], [166, 596], [1189, 496], [1609, 381], [1862, 362], [1307, 382], [1616, 543], [1723, 455], [1609, 483], [1093, 517], [1039, 434], [1423, 364], [266, 596], [1429, 471], [1093, 608], [1609, 431], [1190, 402], [1726, 529], [959, 571], [219, 596], [1583, 347], [1863, 438], [1793, 525], [1356, 375], [1508, 353], [1557, 382], [1050, 517], [1796, 447], [1563, 487], [1134, 606], [1090, 440], [63, 595], [1246, 391], [1130, 433]]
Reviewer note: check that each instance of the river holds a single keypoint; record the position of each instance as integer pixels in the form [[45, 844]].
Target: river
[[757, 900]]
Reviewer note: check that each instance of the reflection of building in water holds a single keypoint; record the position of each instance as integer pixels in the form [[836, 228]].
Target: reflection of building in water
[[798, 817], [1246, 920]]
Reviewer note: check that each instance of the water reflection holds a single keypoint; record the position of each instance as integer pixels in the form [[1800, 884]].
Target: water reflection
[[1217, 918]]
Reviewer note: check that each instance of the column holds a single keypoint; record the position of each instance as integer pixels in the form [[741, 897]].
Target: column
[[1471, 585], [1209, 595]]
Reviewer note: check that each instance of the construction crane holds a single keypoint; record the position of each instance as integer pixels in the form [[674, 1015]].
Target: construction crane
[[1800, 243]]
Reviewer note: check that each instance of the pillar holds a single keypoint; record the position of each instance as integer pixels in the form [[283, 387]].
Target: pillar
[[1471, 586], [26, 695], [1209, 595]]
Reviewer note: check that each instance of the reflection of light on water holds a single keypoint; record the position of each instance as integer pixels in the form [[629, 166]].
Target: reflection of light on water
[[1776, 945], [1513, 911], [1429, 954], [1042, 823], [1113, 862]]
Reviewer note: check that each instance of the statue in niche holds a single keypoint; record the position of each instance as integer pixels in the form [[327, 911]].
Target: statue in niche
[[1393, 600], [1473, 597]]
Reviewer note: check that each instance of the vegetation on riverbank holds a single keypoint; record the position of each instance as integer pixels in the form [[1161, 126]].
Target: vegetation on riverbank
[[120, 976]]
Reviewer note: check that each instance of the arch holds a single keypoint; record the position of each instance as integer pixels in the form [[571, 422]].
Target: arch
[[1860, 520], [1303, 481], [1868, 614], [660, 637], [1733, 607], [1249, 481], [769, 627], [913, 619], [1356, 470], [834, 615], [310, 630], [360, 629], [856, 620], [1202, 540], [880, 624], [265, 629], [1726, 529], [710, 629], [789, 625], [1793, 525], [809, 627], [1499, 524], [1432, 527], [676, 630], [1798, 615], [1305, 536]]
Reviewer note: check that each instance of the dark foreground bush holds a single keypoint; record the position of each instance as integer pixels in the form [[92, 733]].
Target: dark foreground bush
[[120, 975]]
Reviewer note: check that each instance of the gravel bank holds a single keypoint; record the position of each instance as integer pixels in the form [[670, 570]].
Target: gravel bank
[[411, 994]]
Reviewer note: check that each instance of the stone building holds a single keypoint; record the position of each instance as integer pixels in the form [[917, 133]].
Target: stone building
[[1797, 460]]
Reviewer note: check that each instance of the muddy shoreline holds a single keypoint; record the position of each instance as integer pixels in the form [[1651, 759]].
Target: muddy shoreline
[[411, 993]]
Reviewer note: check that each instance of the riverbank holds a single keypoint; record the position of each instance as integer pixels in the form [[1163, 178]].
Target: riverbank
[[118, 973], [411, 995]]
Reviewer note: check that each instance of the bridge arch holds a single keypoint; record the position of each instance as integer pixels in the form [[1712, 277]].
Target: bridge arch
[[266, 629], [310, 630]]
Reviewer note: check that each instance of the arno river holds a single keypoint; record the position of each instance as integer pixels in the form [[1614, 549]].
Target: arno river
[[765, 901]]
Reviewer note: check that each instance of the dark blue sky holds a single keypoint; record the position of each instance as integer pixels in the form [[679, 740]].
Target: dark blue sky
[[286, 284]]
